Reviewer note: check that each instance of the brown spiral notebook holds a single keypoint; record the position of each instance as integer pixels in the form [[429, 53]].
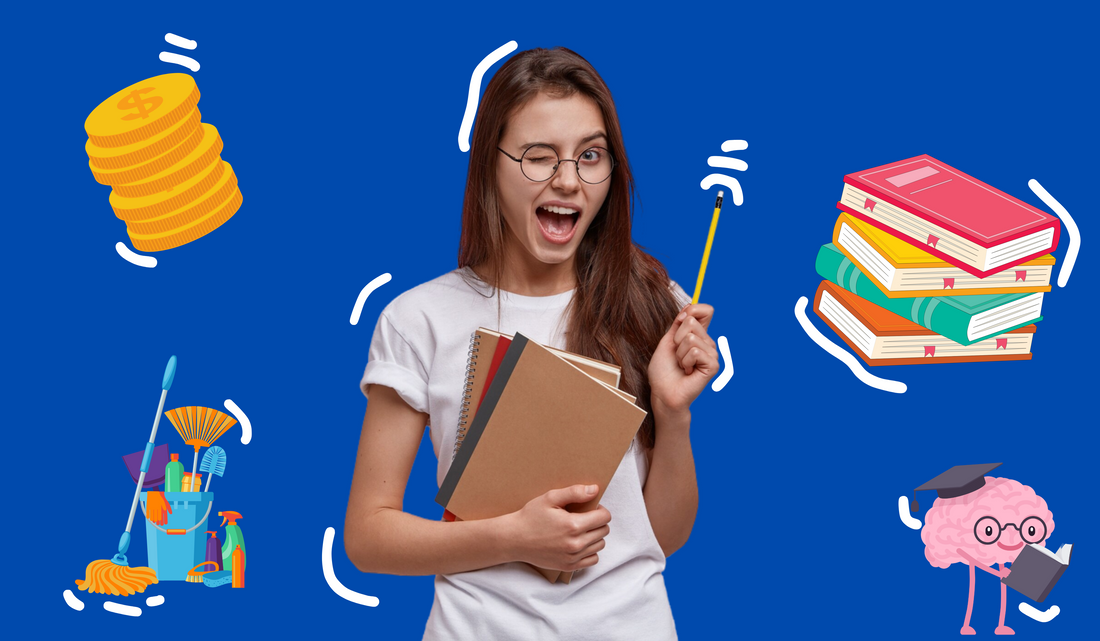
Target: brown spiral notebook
[[522, 442]]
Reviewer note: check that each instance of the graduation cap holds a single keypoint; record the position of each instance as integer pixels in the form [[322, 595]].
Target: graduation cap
[[959, 480]]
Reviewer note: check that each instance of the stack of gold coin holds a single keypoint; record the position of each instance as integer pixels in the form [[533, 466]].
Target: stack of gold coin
[[169, 182]]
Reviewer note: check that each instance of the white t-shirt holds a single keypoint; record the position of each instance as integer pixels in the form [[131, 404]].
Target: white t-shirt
[[419, 349]]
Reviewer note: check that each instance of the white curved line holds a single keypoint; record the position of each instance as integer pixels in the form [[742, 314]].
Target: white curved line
[[129, 256], [475, 92], [371, 286], [1039, 615], [1071, 229], [731, 183], [333, 582], [903, 511], [897, 387], [180, 41], [73, 602], [728, 163], [727, 373], [177, 59], [154, 601], [246, 425], [118, 608], [734, 145]]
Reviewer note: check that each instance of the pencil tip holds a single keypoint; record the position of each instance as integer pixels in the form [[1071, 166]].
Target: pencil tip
[[720, 193]]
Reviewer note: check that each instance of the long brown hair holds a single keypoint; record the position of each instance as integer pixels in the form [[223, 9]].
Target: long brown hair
[[622, 305]]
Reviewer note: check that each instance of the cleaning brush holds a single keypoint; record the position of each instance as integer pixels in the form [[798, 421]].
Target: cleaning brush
[[213, 462], [199, 427]]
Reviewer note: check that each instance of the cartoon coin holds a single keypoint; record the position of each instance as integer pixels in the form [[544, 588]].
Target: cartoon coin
[[142, 110]]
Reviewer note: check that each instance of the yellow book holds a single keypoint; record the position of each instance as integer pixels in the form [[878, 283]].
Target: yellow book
[[902, 270]]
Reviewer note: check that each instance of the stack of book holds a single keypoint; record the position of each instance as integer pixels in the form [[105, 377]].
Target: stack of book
[[534, 419], [930, 265]]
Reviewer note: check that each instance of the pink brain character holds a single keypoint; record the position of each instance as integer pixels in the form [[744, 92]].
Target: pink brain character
[[986, 527]]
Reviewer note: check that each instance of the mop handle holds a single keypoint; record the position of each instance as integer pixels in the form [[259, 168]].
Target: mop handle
[[169, 376]]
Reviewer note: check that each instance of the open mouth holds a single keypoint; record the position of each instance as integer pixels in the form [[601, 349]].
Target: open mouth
[[557, 223], [1010, 547]]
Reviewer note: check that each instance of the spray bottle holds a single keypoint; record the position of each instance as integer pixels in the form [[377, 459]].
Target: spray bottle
[[233, 538], [214, 549]]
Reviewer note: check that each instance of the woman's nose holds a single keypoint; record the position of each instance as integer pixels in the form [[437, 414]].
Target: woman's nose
[[566, 178]]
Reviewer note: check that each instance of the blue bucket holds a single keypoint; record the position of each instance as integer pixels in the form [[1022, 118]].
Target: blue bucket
[[172, 556]]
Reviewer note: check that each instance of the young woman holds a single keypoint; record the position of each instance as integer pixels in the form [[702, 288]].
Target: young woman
[[545, 250]]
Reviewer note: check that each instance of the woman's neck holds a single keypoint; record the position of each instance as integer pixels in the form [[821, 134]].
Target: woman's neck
[[527, 276]]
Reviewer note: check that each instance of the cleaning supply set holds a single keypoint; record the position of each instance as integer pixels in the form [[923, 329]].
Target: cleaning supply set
[[177, 551]]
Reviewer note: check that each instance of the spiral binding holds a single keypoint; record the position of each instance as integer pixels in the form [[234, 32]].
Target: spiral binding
[[467, 391]]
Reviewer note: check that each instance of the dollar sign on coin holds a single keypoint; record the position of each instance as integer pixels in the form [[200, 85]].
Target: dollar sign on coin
[[135, 101]]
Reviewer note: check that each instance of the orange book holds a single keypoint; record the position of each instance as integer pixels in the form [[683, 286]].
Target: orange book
[[881, 337]]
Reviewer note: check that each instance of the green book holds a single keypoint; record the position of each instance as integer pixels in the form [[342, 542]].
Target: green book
[[963, 319]]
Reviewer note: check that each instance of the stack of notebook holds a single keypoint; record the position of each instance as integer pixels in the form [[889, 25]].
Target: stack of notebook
[[534, 419], [930, 265]]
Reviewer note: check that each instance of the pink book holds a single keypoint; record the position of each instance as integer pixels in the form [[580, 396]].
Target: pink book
[[950, 215]]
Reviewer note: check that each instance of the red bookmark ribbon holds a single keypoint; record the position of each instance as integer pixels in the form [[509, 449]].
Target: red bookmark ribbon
[[1021, 274], [932, 240], [949, 283], [929, 350], [869, 204], [1002, 343]]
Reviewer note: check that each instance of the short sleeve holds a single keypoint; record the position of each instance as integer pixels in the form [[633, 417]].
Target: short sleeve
[[393, 362], [681, 296]]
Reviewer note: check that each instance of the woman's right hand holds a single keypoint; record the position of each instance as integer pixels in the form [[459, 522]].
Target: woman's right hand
[[545, 534]]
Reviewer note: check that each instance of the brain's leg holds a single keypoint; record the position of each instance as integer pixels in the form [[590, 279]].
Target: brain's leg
[[966, 629], [1002, 628]]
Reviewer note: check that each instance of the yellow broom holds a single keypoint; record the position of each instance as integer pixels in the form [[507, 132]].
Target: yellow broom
[[199, 427]]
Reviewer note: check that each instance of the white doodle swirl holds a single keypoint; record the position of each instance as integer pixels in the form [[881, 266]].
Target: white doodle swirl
[[333, 582], [475, 92], [863, 375]]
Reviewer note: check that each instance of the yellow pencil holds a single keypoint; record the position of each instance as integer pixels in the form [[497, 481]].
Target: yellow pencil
[[706, 252]]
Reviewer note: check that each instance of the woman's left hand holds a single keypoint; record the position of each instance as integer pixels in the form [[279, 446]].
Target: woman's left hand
[[684, 361]]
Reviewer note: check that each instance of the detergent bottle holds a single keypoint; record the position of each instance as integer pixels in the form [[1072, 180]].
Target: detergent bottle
[[214, 550], [238, 568], [233, 538], [173, 475]]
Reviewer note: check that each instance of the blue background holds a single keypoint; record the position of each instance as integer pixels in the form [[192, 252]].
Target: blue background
[[341, 126]]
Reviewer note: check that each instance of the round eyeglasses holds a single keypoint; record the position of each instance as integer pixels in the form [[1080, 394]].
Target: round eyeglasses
[[988, 529], [539, 163]]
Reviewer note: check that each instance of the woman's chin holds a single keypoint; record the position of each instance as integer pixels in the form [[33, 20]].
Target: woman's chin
[[551, 254]]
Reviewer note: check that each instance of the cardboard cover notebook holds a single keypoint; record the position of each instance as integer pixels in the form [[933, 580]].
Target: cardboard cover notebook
[[950, 215], [881, 337], [1037, 569], [543, 424]]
